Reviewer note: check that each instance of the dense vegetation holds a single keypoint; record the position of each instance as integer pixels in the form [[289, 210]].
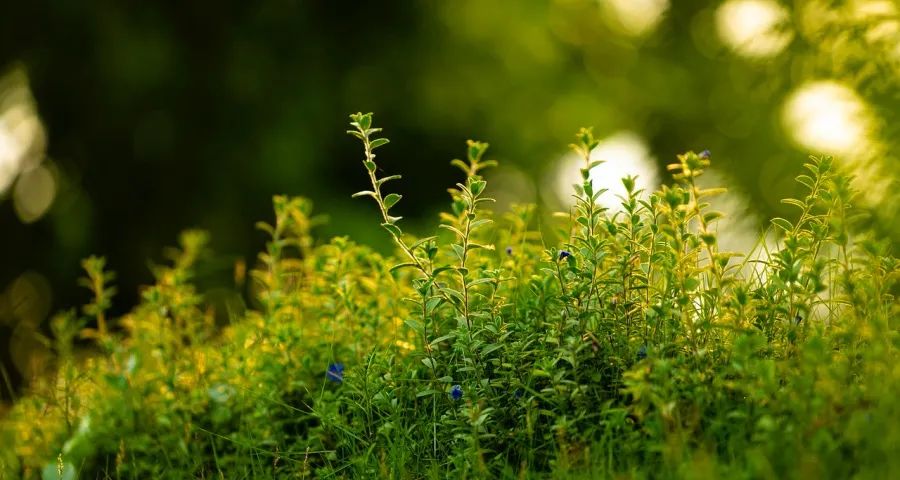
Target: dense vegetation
[[604, 344]]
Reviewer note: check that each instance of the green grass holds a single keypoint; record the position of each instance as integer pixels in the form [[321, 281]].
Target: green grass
[[602, 345]]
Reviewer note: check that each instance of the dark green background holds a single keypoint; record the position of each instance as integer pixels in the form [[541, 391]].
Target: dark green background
[[167, 115]]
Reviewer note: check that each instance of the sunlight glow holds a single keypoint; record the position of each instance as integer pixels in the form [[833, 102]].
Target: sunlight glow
[[636, 17], [752, 27], [33, 193], [624, 153], [21, 131], [827, 116]]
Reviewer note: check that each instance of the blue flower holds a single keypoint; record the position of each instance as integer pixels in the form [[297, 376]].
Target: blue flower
[[456, 392], [509, 250], [563, 254], [642, 352], [704, 154], [335, 372]]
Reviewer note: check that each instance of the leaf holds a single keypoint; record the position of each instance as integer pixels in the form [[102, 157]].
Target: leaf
[[479, 281], [378, 142], [794, 202], [460, 164], [370, 165], [430, 363], [420, 241], [403, 265], [452, 229], [806, 180], [782, 224], [381, 181], [364, 193], [393, 229], [479, 223], [391, 200], [709, 217], [478, 187], [443, 338], [491, 348], [415, 325]]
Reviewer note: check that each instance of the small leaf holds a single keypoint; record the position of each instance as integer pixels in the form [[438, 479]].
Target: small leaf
[[478, 187], [380, 181], [393, 229], [378, 142], [712, 216], [794, 202], [452, 229], [415, 325], [370, 165], [479, 281], [479, 222], [782, 224], [403, 265], [363, 193], [391, 200]]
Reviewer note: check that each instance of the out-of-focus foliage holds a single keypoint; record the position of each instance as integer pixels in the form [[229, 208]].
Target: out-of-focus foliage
[[609, 343], [122, 124]]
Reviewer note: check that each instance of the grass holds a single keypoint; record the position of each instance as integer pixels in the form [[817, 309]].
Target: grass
[[606, 344]]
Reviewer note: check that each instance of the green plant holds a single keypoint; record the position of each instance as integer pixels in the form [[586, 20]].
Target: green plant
[[627, 345]]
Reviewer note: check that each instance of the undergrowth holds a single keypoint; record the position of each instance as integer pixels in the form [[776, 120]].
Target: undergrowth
[[608, 344]]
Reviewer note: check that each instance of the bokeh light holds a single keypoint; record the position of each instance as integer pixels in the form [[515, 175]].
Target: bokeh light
[[22, 145], [33, 193], [623, 153], [826, 116], [753, 28], [635, 17]]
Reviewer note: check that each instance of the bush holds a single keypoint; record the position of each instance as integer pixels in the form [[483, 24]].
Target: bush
[[609, 344]]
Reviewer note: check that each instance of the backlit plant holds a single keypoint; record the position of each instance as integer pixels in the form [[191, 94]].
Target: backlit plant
[[609, 343]]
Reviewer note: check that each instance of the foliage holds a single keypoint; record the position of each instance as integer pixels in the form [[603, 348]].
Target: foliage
[[609, 343]]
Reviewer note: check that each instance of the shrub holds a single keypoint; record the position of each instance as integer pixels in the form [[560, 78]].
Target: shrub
[[609, 344]]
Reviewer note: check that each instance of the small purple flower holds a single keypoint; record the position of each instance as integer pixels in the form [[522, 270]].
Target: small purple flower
[[642, 353], [456, 392], [704, 154], [509, 250], [563, 254], [335, 372]]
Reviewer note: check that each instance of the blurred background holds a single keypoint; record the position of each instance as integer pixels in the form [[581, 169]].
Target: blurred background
[[122, 123]]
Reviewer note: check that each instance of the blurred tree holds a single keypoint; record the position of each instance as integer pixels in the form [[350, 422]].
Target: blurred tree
[[165, 115]]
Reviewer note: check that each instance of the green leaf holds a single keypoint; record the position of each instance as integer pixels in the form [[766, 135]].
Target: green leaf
[[393, 229], [479, 281], [370, 165], [479, 223], [478, 187], [709, 217], [782, 224], [490, 348], [378, 142], [415, 325], [403, 265], [363, 193], [459, 164], [443, 338], [381, 181], [391, 200], [794, 202], [365, 121]]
